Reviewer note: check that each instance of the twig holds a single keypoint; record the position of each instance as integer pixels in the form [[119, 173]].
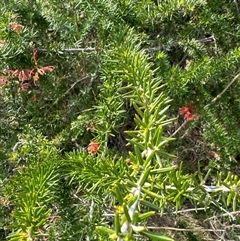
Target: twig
[[72, 86], [221, 215], [219, 95], [223, 209], [207, 40], [105, 146], [175, 44], [233, 226], [179, 128], [93, 79], [70, 50], [231, 82], [149, 50], [183, 59], [186, 210], [186, 229], [108, 214], [221, 236], [91, 210], [53, 217], [208, 189]]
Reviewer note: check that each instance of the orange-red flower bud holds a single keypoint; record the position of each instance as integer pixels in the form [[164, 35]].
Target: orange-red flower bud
[[93, 147]]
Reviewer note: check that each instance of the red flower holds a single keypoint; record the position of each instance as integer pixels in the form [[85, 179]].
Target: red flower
[[93, 147], [186, 111], [188, 116]]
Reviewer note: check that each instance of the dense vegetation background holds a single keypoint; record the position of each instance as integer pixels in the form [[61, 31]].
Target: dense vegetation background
[[119, 120]]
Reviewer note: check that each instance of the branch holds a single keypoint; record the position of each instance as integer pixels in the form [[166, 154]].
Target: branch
[[72, 86], [179, 128], [207, 40], [149, 50], [70, 50], [175, 213], [221, 215], [231, 82], [187, 229], [226, 88], [175, 44], [187, 210], [208, 189]]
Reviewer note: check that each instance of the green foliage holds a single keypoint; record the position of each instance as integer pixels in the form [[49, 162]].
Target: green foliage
[[134, 114], [31, 199]]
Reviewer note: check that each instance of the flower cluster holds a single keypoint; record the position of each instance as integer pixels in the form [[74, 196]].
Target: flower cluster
[[26, 75], [186, 112]]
